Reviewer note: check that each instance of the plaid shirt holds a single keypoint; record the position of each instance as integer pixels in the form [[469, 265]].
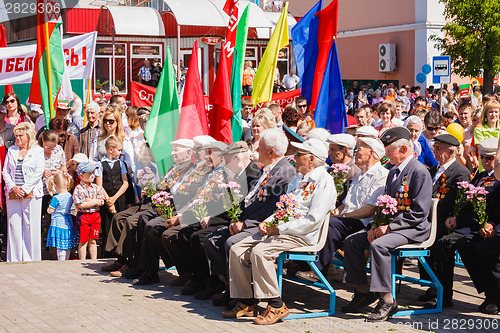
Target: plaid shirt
[[87, 135], [82, 192], [145, 73]]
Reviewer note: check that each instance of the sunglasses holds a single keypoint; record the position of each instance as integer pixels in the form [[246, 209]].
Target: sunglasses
[[433, 129], [10, 101], [302, 106], [487, 158], [108, 121]]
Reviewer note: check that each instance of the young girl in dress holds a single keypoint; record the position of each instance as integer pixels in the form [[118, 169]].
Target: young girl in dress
[[61, 233]]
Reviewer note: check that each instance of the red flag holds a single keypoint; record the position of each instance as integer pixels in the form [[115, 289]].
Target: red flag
[[327, 32], [231, 9], [221, 113], [193, 119], [3, 43], [141, 95]]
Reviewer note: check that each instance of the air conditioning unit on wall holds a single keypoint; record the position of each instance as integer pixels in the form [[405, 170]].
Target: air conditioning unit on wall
[[387, 58]]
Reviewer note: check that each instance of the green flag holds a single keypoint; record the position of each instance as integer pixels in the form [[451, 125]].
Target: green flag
[[236, 75], [164, 117]]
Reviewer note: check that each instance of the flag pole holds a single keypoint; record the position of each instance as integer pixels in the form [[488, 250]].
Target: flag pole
[[49, 79]]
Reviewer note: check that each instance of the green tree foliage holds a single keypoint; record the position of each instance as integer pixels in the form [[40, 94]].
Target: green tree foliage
[[472, 38]]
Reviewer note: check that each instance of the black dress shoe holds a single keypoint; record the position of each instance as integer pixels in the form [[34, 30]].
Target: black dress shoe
[[429, 295], [491, 309], [133, 273], [191, 287], [359, 301], [383, 310], [447, 303], [209, 290], [148, 277], [232, 303], [221, 299]]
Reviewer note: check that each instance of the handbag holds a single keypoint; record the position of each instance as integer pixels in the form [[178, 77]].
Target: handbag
[[13, 196]]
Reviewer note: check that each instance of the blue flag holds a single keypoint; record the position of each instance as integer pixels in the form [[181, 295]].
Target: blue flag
[[330, 110], [305, 46]]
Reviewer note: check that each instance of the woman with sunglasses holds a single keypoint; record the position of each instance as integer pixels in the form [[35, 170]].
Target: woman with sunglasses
[[112, 126], [15, 112], [489, 126]]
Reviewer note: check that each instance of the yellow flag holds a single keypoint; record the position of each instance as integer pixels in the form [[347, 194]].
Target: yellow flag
[[263, 81]]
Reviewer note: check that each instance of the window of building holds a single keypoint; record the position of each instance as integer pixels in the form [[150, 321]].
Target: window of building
[[104, 71]]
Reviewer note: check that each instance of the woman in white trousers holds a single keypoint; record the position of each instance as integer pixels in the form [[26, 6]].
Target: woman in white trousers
[[22, 172]]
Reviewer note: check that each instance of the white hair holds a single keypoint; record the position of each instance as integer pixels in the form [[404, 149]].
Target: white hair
[[402, 142], [93, 106], [275, 138]]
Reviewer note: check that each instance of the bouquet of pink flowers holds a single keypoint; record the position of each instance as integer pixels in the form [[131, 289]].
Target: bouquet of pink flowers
[[199, 209], [287, 208], [461, 200], [386, 208], [163, 202], [232, 203], [339, 173], [145, 179], [477, 196]]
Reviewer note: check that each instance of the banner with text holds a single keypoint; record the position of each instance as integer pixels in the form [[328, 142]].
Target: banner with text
[[16, 62], [141, 95]]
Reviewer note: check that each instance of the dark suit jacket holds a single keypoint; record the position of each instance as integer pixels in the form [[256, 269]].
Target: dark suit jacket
[[412, 224], [455, 173], [277, 184], [467, 215]]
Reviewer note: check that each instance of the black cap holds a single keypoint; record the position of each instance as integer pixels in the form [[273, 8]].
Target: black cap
[[292, 135], [394, 134], [447, 139]]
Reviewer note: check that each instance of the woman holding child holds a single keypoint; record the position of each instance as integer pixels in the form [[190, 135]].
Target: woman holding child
[[22, 173]]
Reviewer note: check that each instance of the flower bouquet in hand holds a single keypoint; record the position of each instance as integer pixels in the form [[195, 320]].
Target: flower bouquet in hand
[[199, 209], [287, 208], [232, 202], [386, 208], [339, 173], [477, 196], [163, 202], [461, 199], [145, 179]]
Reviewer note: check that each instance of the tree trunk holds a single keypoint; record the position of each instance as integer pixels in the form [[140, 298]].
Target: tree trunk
[[488, 83]]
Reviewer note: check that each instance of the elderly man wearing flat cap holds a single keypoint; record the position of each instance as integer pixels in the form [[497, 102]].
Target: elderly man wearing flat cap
[[445, 177], [359, 204], [341, 151], [480, 250], [122, 235], [410, 183], [252, 259], [259, 204]]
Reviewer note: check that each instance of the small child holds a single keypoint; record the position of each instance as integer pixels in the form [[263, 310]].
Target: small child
[[73, 166], [61, 234], [111, 175], [88, 198]]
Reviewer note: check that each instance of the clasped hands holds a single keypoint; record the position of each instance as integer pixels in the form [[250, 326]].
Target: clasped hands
[[270, 231], [375, 233]]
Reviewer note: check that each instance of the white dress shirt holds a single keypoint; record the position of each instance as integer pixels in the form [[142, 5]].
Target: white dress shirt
[[441, 170]]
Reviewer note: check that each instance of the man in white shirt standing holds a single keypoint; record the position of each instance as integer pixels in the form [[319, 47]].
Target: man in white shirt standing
[[290, 80]]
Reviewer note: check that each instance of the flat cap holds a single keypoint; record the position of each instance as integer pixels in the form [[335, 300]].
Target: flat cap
[[394, 134], [184, 143], [313, 146], [203, 139], [235, 148], [215, 145], [374, 144], [367, 131], [447, 139], [342, 139], [488, 146]]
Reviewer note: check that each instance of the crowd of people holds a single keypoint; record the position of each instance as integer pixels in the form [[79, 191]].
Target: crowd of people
[[223, 212]]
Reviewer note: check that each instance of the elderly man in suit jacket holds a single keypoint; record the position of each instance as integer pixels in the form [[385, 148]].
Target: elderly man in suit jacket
[[410, 183], [259, 204], [445, 177]]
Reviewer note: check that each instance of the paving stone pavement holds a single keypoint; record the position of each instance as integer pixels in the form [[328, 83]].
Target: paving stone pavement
[[75, 296]]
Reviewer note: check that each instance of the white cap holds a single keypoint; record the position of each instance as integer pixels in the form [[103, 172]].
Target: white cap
[[184, 143], [369, 131], [80, 158], [376, 145], [488, 146], [216, 144], [313, 146], [202, 140], [342, 139]]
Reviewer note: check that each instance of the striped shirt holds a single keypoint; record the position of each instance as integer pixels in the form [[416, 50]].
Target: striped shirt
[[87, 135], [84, 191], [18, 175]]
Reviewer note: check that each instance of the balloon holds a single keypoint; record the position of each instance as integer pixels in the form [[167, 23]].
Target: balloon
[[426, 68], [456, 130], [421, 77]]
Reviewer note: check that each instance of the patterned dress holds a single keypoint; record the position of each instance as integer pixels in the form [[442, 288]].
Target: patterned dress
[[61, 233]]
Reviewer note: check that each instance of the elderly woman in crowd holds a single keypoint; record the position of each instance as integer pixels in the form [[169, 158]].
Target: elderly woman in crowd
[[15, 112], [22, 173], [422, 150], [112, 126]]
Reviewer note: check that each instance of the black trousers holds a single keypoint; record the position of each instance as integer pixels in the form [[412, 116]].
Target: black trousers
[[442, 262], [481, 258]]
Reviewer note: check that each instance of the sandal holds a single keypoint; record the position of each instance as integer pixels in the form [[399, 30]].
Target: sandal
[[309, 276]]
